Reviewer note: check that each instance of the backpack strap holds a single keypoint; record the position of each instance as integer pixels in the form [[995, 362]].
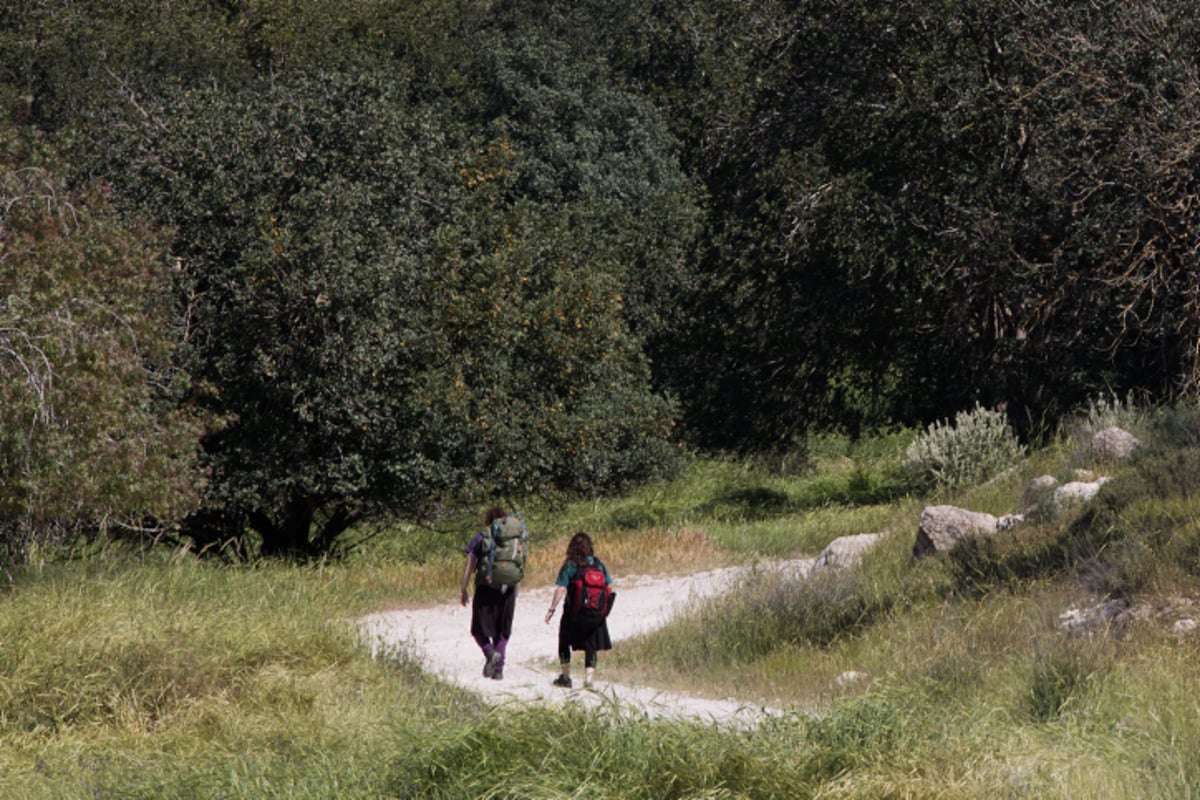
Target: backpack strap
[[491, 559], [483, 565], [493, 530]]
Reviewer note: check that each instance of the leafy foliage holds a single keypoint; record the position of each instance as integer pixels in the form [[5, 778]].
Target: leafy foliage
[[918, 206], [88, 438], [378, 311], [799, 217], [977, 446]]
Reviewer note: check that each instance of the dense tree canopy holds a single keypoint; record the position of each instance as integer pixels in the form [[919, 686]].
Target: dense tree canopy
[[919, 205], [458, 248], [89, 438], [390, 308]]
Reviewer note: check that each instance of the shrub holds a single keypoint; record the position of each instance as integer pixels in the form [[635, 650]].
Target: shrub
[[92, 439], [1111, 411], [1102, 412], [978, 445]]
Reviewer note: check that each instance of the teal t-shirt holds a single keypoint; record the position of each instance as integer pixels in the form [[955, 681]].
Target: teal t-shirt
[[570, 568]]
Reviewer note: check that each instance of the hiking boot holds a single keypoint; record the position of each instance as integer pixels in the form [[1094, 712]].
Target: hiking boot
[[563, 680], [489, 666], [498, 675]]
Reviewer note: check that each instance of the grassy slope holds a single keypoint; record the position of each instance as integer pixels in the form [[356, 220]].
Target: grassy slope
[[177, 679]]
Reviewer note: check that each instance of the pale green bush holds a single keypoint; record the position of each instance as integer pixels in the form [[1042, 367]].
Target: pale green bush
[[1102, 411], [1105, 411], [977, 446]]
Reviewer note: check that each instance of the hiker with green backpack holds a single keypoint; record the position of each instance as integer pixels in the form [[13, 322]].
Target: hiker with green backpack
[[496, 558]]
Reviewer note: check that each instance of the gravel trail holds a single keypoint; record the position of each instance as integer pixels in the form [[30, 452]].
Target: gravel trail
[[440, 637]]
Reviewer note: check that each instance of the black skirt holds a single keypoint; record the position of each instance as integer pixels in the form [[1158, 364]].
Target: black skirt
[[583, 634]]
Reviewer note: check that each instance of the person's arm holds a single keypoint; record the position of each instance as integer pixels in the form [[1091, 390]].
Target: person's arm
[[466, 577], [559, 593]]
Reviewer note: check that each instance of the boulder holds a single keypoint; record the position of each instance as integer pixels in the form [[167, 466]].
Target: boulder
[[1039, 489], [1076, 493], [1096, 619], [1114, 444], [846, 551], [942, 527]]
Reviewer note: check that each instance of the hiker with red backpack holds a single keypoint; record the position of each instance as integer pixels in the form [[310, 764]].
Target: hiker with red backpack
[[496, 558], [586, 585]]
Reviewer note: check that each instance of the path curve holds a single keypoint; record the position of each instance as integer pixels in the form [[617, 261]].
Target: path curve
[[439, 637]]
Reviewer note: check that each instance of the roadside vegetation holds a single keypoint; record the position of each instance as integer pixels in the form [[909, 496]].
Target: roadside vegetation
[[290, 290], [163, 676], [273, 270]]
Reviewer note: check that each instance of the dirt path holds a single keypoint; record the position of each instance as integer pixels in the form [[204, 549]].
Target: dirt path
[[439, 636]]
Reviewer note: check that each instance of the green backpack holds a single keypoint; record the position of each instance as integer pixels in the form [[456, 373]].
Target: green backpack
[[502, 552]]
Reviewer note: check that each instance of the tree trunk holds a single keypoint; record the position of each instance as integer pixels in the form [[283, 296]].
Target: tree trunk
[[289, 538]]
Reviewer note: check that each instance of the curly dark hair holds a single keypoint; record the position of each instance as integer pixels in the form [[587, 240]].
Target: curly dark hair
[[580, 549], [494, 513]]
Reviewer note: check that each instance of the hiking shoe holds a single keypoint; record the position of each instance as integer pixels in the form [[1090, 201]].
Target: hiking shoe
[[498, 675], [587, 684], [489, 666], [563, 680]]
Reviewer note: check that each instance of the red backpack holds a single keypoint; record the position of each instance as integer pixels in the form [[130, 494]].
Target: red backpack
[[591, 596]]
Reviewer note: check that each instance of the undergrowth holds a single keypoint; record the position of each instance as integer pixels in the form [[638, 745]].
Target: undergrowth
[[940, 677]]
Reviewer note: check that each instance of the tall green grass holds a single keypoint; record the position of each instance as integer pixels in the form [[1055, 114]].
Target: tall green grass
[[182, 680], [170, 678]]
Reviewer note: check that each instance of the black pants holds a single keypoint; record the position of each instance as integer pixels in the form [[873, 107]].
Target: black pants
[[492, 618]]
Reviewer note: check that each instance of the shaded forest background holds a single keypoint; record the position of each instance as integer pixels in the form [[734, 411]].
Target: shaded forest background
[[273, 268]]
